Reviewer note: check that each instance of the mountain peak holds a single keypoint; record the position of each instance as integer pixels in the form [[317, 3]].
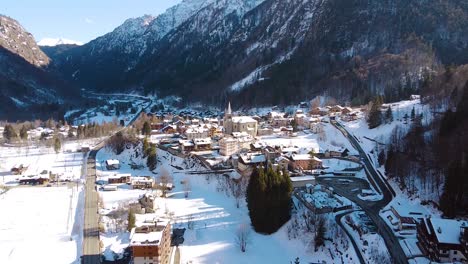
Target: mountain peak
[[50, 42]]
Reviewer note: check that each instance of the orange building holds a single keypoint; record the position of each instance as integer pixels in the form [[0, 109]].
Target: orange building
[[151, 244]]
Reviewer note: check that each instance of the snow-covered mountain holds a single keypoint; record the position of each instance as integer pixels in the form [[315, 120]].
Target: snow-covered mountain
[[51, 42], [274, 51]]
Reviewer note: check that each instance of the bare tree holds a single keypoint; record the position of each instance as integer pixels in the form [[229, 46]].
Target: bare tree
[[243, 236], [165, 180]]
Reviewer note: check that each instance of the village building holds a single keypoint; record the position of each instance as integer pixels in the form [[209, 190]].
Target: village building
[[306, 162], [186, 146], [228, 146], [142, 182], [151, 243], [148, 202], [201, 144], [242, 124], [34, 180], [406, 217], [441, 239], [250, 160], [300, 118], [112, 164], [197, 132], [119, 179]]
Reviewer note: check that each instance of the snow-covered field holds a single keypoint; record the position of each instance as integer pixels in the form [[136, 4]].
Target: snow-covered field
[[216, 219], [39, 159], [41, 225]]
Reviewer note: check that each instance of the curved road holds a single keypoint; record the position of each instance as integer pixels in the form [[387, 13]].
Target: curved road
[[372, 208]]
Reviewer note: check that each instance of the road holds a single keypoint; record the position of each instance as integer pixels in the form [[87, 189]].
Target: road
[[371, 208], [91, 248], [338, 218], [91, 241]]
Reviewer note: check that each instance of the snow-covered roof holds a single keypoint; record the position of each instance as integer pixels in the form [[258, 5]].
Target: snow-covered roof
[[447, 231], [243, 119], [142, 238], [250, 158], [112, 162], [202, 141]]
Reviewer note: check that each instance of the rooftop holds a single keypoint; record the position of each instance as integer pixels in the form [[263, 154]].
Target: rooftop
[[447, 231], [243, 119]]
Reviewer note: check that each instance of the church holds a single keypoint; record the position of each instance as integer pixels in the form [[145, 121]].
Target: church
[[239, 124]]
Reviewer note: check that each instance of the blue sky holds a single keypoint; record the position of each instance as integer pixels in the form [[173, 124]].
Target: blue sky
[[79, 20]]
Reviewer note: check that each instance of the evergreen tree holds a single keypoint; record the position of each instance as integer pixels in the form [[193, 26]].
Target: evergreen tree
[[151, 161], [269, 199], [131, 220], [24, 133], [320, 233], [381, 157], [389, 115], [375, 115], [9, 133], [146, 147], [146, 129], [413, 113], [57, 145]]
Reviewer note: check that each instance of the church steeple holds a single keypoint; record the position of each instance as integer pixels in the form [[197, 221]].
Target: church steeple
[[229, 111]]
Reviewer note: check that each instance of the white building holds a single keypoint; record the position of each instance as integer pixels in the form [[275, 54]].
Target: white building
[[228, 146]]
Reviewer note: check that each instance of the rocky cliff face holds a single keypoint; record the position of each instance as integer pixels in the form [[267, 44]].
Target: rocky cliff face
[[25, 87], [276, 51], [16, 39]]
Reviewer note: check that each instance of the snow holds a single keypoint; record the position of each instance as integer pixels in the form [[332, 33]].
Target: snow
[[58, 41], [249, 79], [38, 159], [38, 225], [447, 230], [215, 217]]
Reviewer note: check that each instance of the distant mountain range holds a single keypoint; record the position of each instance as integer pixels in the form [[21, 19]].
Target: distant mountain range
[[50, 42], [274, 51], [258, 52]]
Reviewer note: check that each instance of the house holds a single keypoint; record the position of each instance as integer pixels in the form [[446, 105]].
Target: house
[[441, 239], [302, 181], [169, 129], [250, 160], [148, 201], [271, 153], [305, 162], [406, 216], [151, 243], [119, 178], [34, 180], [336, 109], [239, 123], [202, 144], [283, 162], [346, 110], [197, 132], [228, 146], [186, 145], [18, 170], [265, 131], [300, 118], [142, 182], [112, 164]]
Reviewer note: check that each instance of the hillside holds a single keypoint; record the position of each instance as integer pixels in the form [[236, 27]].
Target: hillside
[[275, 52]]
